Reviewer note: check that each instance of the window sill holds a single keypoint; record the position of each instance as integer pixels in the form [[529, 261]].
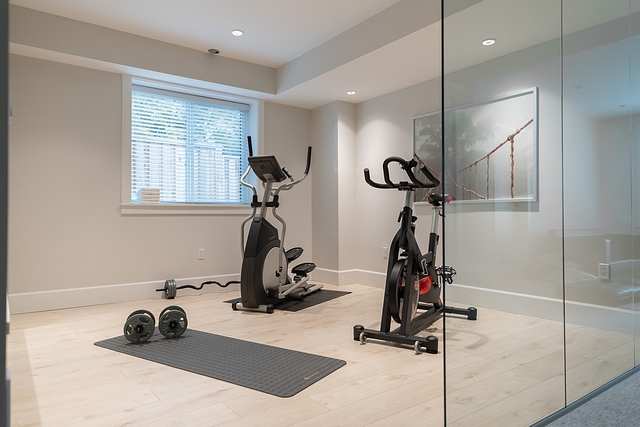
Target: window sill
[[183, 209]]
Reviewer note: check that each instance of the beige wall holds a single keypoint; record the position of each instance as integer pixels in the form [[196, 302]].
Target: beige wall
[[346, 197], [66, 232], [287, 134], [325, 190], [385, 129], [508, 252], [334, 197]]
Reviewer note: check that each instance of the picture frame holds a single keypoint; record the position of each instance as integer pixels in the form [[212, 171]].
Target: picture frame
[[491, 150]]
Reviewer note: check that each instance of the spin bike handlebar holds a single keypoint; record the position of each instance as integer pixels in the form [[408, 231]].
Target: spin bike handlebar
[[402, 185]]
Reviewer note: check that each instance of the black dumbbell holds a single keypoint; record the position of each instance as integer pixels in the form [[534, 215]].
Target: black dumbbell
[[173, 322], [141, 324]]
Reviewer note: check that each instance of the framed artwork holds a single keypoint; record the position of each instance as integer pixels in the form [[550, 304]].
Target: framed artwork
[[490, 149]]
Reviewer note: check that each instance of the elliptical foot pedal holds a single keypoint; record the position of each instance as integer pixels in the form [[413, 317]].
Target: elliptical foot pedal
[[293, 253], [303, 269]]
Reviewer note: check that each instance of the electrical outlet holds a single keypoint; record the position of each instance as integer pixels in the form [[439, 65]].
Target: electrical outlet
[[385, 252], [603, 272], [200, 253]]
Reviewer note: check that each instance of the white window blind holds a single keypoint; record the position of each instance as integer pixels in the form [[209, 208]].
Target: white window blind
[[193, 149]]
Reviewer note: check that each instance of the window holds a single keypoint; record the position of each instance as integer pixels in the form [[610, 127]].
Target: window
[[190, 149]]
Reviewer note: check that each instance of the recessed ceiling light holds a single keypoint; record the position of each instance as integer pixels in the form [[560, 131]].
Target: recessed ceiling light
[[488, 42], [213, 51], [351, 92], [237, 33]]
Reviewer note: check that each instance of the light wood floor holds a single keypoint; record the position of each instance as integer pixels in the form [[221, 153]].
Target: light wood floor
[[503, 369]]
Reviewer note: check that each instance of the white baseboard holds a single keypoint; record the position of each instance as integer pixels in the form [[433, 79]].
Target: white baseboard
[[511, 302], [324, 275], [577, 313], [349, 277], [613, 319], [30, 302]]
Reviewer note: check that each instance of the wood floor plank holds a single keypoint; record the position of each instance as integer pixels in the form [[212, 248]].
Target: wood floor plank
[[502, 369]]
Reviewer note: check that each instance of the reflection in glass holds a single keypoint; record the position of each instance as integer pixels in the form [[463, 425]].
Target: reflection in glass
[[598, 164], [634, 100], [503, 234], [551, 262]]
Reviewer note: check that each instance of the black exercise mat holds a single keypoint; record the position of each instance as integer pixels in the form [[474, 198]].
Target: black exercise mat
[[261, 367], [309, 301]]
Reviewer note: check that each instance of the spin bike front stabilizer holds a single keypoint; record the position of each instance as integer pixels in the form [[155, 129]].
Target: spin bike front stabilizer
[[264, 279], [413, 282]]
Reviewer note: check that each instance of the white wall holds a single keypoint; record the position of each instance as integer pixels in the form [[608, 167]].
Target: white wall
[[347, 207], [287, 134], [325, 190], [508, 248], [385, 129], [334, 194], [66, 232]]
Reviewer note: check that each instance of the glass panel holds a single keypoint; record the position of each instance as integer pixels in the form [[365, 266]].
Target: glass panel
[[634, 103], [597, 164], [503, 232]]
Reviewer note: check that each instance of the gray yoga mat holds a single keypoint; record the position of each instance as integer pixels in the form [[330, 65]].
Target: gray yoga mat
[[261, 367]]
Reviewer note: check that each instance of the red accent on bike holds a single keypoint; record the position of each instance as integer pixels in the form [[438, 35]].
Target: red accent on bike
[[425, 284]]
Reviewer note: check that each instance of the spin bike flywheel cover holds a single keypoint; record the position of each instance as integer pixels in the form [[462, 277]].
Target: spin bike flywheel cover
[[396, 282], [395, 285], [425, 284]]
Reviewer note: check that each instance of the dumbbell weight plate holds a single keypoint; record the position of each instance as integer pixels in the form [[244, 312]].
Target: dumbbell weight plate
[[173, 307], [173, 322], [170, 289], [140, 326]]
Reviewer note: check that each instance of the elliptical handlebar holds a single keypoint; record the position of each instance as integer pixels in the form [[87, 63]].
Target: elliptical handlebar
[[284, 186], [293, 182], [306, 169], [250, 146], [270, 191], [407, 166]]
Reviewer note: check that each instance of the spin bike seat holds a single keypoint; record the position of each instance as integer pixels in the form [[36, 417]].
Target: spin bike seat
[[438, 199], [303, 269], [293, 253]]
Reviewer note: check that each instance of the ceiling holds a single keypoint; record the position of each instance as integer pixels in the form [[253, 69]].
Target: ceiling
[[276, 31], [282, 34]]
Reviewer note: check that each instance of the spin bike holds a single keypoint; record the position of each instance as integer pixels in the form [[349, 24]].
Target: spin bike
[[264, 278], [413, 282]]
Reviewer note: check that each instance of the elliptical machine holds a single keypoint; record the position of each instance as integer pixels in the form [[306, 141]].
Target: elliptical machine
[[413, 281], [264, 279]]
